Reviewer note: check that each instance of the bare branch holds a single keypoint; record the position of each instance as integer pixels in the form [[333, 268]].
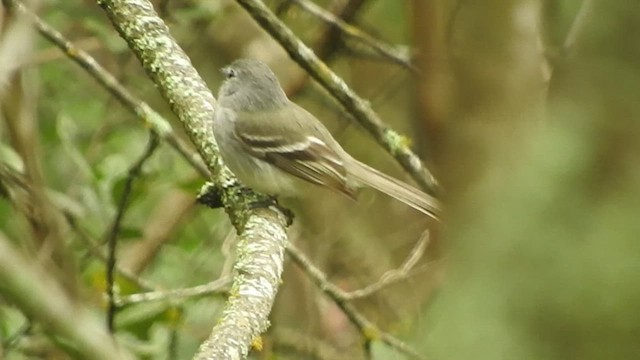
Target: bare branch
[[575, 30], [390, 140], [578, 25], [387, 51], [329, 39], [133, 173], [262, 230], [367, 328], [298, 345], [218, 286], [392, 276], [346, 11]]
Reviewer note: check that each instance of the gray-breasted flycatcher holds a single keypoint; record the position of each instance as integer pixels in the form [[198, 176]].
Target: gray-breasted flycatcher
[[278, 148]]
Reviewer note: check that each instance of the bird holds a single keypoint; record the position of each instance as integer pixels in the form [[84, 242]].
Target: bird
[[278, 148]]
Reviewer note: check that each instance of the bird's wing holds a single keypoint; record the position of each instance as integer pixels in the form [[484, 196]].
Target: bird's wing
[[305, 151]]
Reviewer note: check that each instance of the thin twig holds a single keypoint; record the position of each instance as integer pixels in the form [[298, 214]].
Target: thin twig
[[555, 54], [219, 286], [394, 143], [390, 52], [347, 11], [577, 26], [134, 172], [392, 276], [97, 252], [262, 230], [328, 41], [366, 327], [12, 340], [295, 344]]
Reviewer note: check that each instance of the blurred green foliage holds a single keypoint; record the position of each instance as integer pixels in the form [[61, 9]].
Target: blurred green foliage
[[535, 143]]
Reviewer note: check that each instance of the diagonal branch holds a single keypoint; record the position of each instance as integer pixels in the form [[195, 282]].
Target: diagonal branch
[[390, 140], [387, 51], [366, 327], [578, 24], [262, 230], [330, 37], [346, 11]]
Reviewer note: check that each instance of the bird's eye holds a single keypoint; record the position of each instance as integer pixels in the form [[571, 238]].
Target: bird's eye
[[229, 73]]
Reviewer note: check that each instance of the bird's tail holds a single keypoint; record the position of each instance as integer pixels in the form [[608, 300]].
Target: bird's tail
[[397, 189]]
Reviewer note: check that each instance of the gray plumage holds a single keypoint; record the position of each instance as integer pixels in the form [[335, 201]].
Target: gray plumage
[[274, 146]]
